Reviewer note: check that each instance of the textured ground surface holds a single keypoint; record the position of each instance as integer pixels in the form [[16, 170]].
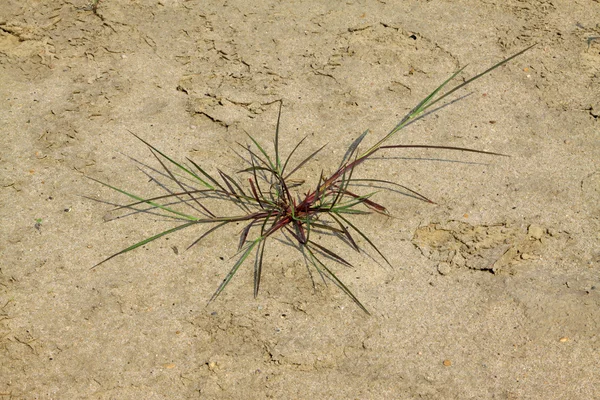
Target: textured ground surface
[[494, 291]]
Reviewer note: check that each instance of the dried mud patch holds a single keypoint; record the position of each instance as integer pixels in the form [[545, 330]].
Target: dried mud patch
[[496, 247]]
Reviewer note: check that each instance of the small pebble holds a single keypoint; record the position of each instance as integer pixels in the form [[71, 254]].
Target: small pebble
[[447, 363], [536, 231], [563, 339], [444, 268]]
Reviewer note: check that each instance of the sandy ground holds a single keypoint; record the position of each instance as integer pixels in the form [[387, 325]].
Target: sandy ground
[[494, 291]]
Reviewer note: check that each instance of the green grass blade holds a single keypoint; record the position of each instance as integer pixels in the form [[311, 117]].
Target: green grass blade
[[353, 147], [208, 232], [210, 178], [258, 266], [430, 100], [176, 195], [369, 203], [253, 155], [487, 71], [316, 262], [244, 234], [304, 162], [428, 146], [364, 237], [206, 210], [235, 268], [277, 160], [352, 203], [287, 160], [183, 168], [345, 231], [148, 240], [263, 152], [142, 200], [330, 253], [418, 195]]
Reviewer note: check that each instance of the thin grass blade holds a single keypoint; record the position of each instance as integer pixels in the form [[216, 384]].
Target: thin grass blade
[[330, 253], [304, 162], [235, 268], [148, 240], [364, 237], [428, 146], [277, 160], [152, 203], [273, 167], [206, 210], [290, 155], [487, 71], [353, 147], [418, 195], [345, 231], [210, 178], [208, 232], [258, 266], [183, 168], [336, 280]]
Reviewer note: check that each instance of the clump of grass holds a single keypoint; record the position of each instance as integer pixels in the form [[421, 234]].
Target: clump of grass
[[267, 203]]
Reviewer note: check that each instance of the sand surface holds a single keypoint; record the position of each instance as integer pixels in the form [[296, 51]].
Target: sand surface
[[493, 292]]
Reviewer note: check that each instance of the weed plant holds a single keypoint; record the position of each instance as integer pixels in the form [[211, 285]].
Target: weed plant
[[268, 203]]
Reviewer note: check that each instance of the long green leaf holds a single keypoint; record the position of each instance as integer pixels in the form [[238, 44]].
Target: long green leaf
[[316, 262], [202, 181], [142, 200], [148, 240], [364, 237], [236, 266]]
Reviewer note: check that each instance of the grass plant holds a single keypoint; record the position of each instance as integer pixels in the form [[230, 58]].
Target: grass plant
[[267, 201]]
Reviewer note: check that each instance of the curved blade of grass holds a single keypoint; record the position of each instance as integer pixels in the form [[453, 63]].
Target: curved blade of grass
[[254, 155], [316, 262], [263, 152], [255, 193], [352, 149], [345, 181], [418, 109], [345, 207], [330, 253], [345, 231], [364, 237], [142, 200], [430, 100], [304, 162], [418, 195], [210, 178], [258, 266], [257, 168], [176, 195], [277, 160], [235, 268], [244, 233], [195, 199], [202, 181], [428, 146], [148, 240], [369, 203], [487, 71], [208, 232], [291, 153]]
